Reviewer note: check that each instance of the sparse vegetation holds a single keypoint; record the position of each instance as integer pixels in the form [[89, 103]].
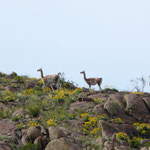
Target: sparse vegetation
[[78, 120]]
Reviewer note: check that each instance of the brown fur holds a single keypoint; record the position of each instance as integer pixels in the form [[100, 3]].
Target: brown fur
[[92, 81], [49, 79]]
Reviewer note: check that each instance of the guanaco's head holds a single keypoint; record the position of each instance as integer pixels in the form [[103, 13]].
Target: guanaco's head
[[82, 72], [39, 69]]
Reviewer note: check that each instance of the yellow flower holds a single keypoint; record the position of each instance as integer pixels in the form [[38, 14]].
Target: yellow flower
[[32, 124], [51, 122], [140, 93], [118, 121], [122, 136], [94, 131]]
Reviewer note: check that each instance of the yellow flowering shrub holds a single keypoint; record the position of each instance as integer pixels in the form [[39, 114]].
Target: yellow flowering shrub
[[140, 93], [9, 96], [32, 124], [118, 121], [89, 125], [29, 92], [98, 100], [21, 126], [102, 117], [47, 90], [122, 136], [95, 131], [51, 122], [40, 82], [143, 129], [44, 101], [135, 142], [85, 116], [63, 93]]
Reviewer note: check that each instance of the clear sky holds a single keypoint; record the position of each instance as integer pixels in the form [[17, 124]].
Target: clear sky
[[106, 38]]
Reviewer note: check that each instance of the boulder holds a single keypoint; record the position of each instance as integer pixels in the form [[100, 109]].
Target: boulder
[[108, 145], [126, 128], [122, 147], [25, 139], [119, 99], [20, 113], [44, 131], [135, 107], [97, 95], [79, 105], [34, 132], [41, 142], [16, 135], [6, 127], [65, 130], [107, 129], [61, 144], [98, 109], [4, 146], [115, 108], [55, 133], [147, 102]]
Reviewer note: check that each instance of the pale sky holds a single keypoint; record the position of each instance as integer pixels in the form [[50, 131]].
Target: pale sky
[[106, 38]]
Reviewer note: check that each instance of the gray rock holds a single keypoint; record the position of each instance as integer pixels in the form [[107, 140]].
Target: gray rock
[[25, 139], [34, 132], [115, 108], [44, 131], [99, 109], [135, 107], [79, 105], [41, 142], [4, 146], [55, 133], [61, 144], [19, 113], [107, 128]]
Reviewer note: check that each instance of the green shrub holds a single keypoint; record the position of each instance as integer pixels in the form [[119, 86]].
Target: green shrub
[[147, 144], [15, 118], [19, 79], [4, 113], [118, 121], [29, 146], [34, 108], [112, 90], [122, 136], [8, 96], [143, 129], [71, 116], [135, 142]]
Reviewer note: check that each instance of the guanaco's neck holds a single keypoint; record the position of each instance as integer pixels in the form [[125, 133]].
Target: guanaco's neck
[[84, 76], [42, 74]]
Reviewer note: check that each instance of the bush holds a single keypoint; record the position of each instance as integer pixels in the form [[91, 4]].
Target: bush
[[118, 121], [112, 90], [19, 79], [143, 129], [5, 113], [135, 142], [29, 146], [122, 136], [34, 108]]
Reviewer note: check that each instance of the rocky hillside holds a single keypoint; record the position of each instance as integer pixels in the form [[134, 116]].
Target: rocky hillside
[[70, 118]]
